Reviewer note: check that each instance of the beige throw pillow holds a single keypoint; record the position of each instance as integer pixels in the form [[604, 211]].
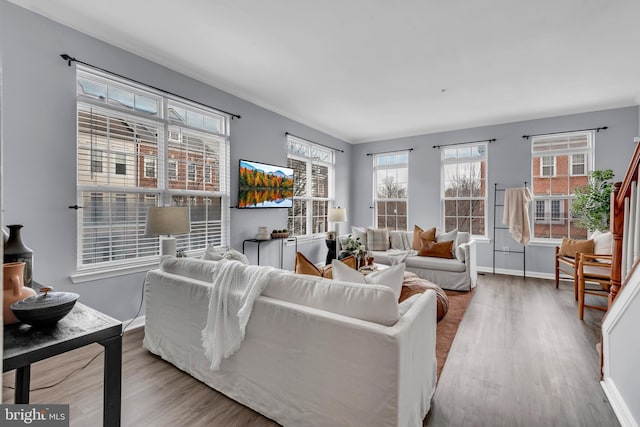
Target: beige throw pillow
[[391, 277], [602, 243], [570, 247]]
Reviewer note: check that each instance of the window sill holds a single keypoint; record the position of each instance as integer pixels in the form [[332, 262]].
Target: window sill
[[481, 239], [546, 242], [106, 273]]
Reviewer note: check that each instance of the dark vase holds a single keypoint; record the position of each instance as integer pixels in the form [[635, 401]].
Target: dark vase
[[16, 251]]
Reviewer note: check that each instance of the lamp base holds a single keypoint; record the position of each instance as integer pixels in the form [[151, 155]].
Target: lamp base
[[167, 245]]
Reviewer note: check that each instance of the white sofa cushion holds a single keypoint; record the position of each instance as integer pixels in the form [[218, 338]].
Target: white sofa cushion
[[397, 238], [373, 303], [360, 233], [391, 277], [198, 269], [433, 263], [216, 254], [602, 243]]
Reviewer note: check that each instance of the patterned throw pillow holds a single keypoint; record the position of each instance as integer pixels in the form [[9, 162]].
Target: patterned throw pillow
[[377, 239]]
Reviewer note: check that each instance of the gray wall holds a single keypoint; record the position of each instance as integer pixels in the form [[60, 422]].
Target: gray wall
[[40, 171], [39, 150], [509, 164]]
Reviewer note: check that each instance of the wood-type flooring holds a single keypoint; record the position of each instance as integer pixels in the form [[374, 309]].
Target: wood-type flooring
[[521, 357]]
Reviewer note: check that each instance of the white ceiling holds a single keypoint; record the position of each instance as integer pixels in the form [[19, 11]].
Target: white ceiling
[[365, 70]]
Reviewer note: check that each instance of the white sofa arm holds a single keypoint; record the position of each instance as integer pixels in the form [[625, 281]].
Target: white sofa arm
[[470, 257]]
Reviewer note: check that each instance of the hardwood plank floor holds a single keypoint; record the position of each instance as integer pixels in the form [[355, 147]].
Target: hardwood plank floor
[[520, 358]]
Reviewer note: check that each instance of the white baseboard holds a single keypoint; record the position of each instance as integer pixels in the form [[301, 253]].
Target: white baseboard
[[133, 324], [510, 272], [618, 404]]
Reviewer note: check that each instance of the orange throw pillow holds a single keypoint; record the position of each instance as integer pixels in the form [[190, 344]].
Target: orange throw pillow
[[419, 235], [438, 250], [570, 247], [427, 236], [304, 266]]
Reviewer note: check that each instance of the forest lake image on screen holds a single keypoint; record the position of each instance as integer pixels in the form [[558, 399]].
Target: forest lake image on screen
[[265, 186]]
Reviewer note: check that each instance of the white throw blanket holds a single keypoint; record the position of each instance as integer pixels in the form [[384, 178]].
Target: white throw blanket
[[516, 213], [235, 288]]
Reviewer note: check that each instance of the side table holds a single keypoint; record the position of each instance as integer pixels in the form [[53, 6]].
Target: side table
[[24, 345], [281, 239]]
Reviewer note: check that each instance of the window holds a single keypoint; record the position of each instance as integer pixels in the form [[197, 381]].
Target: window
[[149, 167], [313, 186], [191, 171], [147, 136], [172, 170], [391, 190], [121, 164], [549, 211], [547, 166], [207, 174], [96, 161], [464, 190], [578, 164], [560, 163]]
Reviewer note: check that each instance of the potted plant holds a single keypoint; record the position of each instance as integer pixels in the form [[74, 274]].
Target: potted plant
[[591, 204]]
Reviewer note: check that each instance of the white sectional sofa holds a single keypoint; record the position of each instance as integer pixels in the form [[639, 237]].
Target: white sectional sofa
[[457, 274], [316, 352]]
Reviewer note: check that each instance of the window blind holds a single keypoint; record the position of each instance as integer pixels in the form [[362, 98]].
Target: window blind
[[313, 177], [136, 149], [391, 183]]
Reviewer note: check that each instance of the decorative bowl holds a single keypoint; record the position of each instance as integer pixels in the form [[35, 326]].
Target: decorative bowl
[[44, 309]]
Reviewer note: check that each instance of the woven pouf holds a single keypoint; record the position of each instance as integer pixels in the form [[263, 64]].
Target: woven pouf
[[412, 285]]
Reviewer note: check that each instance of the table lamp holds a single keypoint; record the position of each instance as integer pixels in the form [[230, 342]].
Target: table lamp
[[336, 216], [165, 221]]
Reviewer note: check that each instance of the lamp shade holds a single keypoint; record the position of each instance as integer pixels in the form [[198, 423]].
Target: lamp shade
[[167, 220], [337, 215]]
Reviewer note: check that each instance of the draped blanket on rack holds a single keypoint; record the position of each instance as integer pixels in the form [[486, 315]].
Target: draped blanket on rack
[[516, 213]]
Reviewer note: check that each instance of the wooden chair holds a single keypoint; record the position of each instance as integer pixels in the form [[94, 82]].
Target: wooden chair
[[567, 265], [596, 269]]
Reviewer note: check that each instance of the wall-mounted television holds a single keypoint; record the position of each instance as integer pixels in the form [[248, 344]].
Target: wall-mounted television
[[264, 186]]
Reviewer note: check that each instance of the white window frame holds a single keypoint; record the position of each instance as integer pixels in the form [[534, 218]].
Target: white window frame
[[583, 163], [192, 175], [214, 229], [97, 161], [148, 160], [207, 173], [308, 199], [393, 166], [547, 216], [542, 166], [123, 162], [444, 161], [172, 170], [561, 149]]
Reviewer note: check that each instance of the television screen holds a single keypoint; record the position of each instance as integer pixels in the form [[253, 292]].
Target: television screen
[[265, 186]]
